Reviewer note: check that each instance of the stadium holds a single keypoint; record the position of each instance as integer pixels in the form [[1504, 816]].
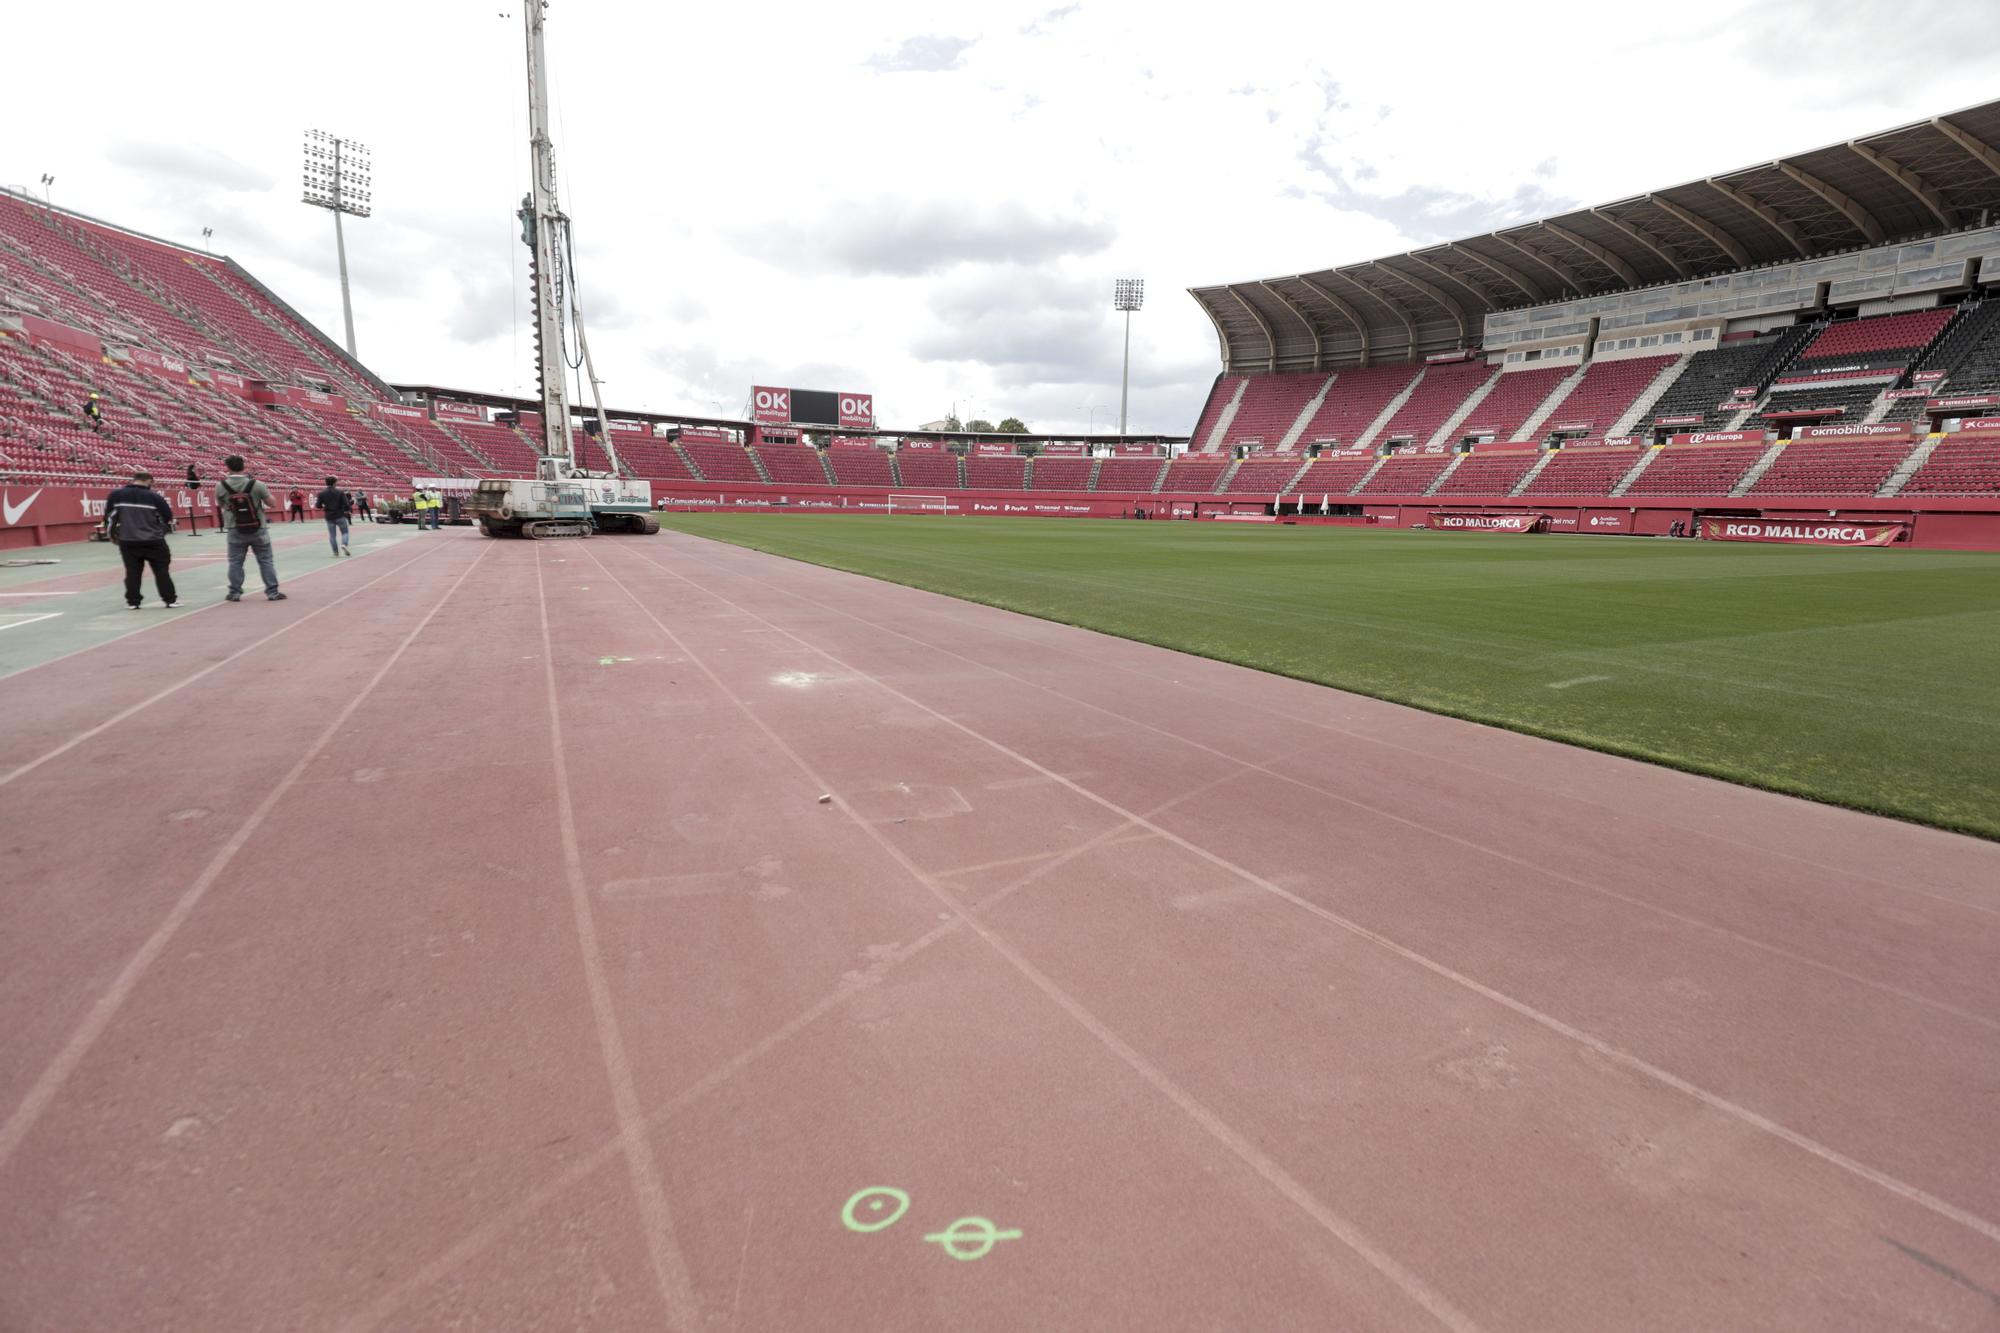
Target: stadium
[[1492, 822]]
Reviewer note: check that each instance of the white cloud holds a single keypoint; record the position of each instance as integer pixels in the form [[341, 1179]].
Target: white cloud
[[925, 55], [887, 236], [758, 198]]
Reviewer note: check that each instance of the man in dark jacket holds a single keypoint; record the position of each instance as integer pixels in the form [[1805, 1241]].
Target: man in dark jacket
[[337, 509], [138, 518]]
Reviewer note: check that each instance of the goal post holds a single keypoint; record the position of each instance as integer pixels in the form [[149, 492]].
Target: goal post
[[905, 503]]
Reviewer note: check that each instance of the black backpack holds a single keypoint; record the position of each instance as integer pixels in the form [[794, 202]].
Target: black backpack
[[244, 512]]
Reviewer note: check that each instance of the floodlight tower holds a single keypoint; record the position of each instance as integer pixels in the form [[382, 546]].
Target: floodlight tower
[[337, 179], [1127, 294]]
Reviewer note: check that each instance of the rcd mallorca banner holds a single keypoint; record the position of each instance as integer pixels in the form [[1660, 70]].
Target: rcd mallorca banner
[[1808, 531], [771, 406], [1459, 521]]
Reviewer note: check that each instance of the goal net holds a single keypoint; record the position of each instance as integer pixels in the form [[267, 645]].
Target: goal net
[[917, 504]]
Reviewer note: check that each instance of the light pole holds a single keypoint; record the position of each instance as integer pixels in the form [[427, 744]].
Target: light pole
[[206, 234], [337, 179], [1127, 294], [47, 181]]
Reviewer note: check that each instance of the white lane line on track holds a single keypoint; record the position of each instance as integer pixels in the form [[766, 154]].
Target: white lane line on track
[[1484, 771], [1902, 1189], [1379, 812], [71, 593], [1346, 1232], [46, 615], [475, 1242], [44, 1089], [182, 684], [189, 611], [670, 1269]]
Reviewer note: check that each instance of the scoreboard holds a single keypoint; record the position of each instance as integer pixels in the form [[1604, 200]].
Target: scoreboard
[[812, 407]]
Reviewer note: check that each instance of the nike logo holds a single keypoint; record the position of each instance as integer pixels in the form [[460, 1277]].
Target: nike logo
[[12, 512]]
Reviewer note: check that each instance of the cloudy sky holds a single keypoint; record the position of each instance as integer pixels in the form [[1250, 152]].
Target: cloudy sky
[[926, 201]]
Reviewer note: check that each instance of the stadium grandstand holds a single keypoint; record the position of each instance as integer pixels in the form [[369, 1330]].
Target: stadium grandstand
[[1814, 328], [1810, 332]]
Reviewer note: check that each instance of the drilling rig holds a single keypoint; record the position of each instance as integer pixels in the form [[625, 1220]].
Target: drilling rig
[[563, 498]]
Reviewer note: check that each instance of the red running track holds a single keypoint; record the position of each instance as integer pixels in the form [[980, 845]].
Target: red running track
[[479, 953]]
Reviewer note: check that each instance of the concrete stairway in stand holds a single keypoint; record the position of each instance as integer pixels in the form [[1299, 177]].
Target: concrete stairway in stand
[[1526, 430], [1521, 486], [1368, 476], [1758, 469], [1226, 419], [1388, 412], [1306, 414], [1643, 404], [1447, 433], [1457, 461], [1646, 457], [1894, 483]]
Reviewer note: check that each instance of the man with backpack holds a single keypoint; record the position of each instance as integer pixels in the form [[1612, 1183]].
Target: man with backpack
[[138, 518], [242, 502], [336, 507]]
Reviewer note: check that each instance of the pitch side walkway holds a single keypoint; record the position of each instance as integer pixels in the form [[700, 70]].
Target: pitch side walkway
[[62, 599], [467, 943]]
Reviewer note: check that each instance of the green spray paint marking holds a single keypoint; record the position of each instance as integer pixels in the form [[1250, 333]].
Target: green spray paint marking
[[610, 661], [877, 1198], [881, 1206], [978, 1238]]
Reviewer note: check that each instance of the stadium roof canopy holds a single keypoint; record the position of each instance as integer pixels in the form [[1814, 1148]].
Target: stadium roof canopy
[[1932, 176]]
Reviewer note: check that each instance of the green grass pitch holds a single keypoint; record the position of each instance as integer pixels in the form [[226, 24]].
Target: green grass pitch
[[1868, 678]]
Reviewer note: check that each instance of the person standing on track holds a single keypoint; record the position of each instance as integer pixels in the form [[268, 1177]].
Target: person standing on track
[[364, 504], [138, 518], [336, 508], [296, 510], [242, 502]]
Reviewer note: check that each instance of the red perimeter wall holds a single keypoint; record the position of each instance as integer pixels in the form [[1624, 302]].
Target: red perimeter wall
[[44, 515], [1945, 523], [55, 514]]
